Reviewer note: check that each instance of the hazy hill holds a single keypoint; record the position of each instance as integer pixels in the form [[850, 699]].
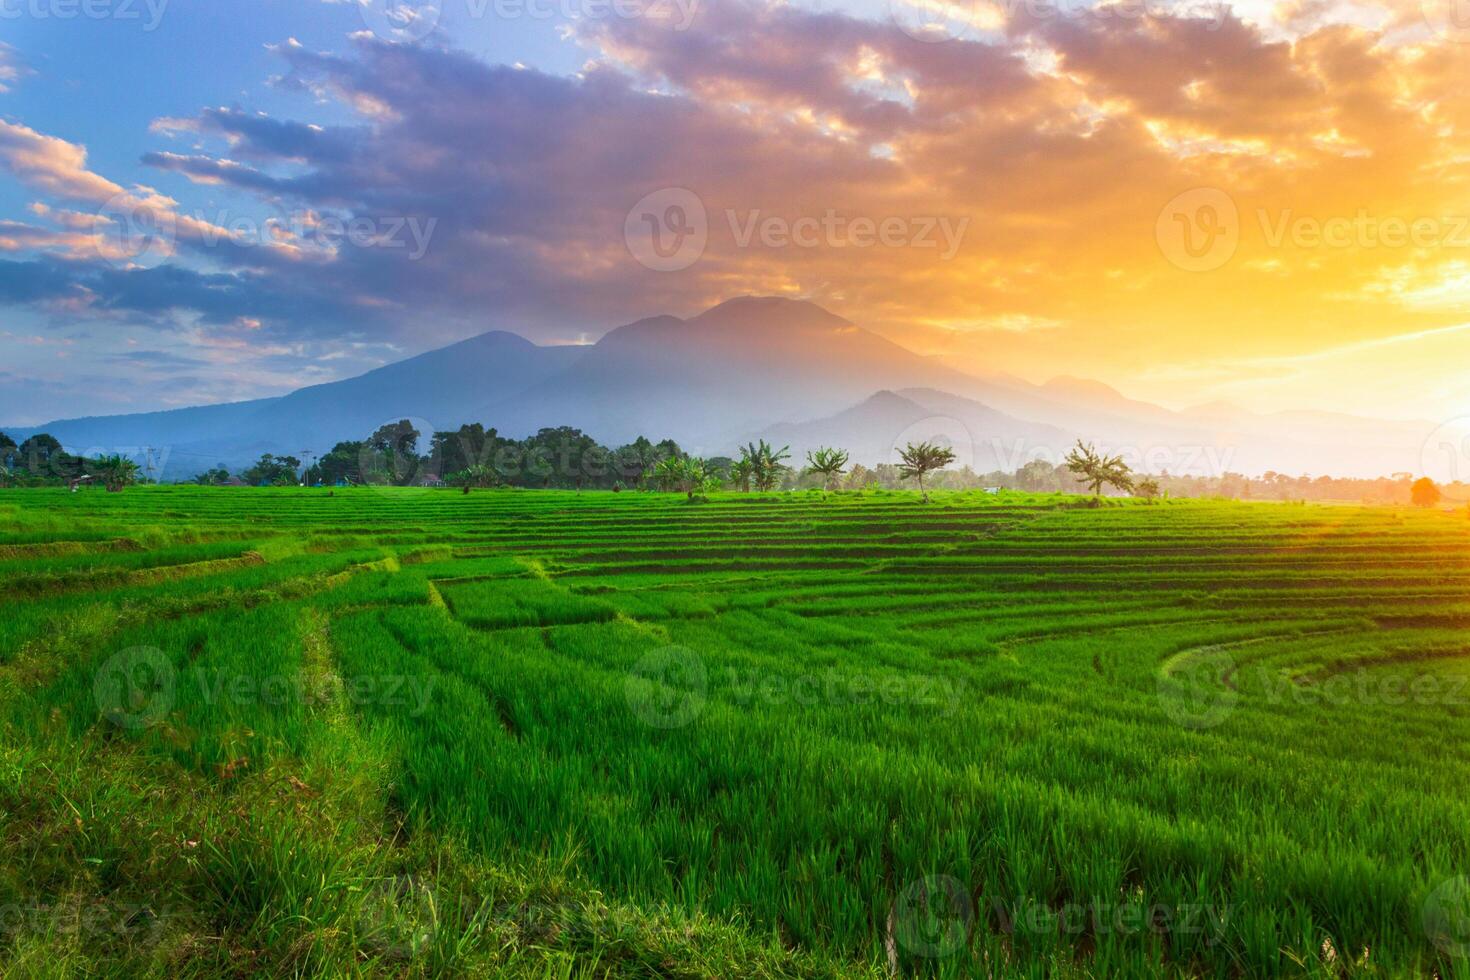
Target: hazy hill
[[784, 369]]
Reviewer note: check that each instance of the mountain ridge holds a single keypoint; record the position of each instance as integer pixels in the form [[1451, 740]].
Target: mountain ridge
[[742, 368]]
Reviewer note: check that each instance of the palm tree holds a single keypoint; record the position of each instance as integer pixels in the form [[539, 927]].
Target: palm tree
[[1095, 469], [478, 475], [768, 463], [685, 474], [828, 462], [742, 470], [920, 458], [115, 472]]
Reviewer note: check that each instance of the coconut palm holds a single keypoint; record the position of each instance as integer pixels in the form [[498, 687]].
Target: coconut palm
[[115, 472], [916, 459]]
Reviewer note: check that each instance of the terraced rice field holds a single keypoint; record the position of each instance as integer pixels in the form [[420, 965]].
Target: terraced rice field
[[281, 732]]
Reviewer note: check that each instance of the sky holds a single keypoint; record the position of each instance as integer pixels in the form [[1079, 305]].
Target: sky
[[1266, 204]]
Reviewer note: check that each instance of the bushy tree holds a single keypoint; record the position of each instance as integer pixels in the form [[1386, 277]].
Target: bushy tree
[[917, 459], [685, 474], [272, 471], [1424, 493], [1097, 470], [766, 465], [114, 471]]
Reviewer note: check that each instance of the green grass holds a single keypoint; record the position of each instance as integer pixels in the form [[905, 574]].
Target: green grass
[[403, 733]]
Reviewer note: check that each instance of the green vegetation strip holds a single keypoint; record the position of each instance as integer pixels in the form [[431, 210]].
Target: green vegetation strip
[[409, 732]]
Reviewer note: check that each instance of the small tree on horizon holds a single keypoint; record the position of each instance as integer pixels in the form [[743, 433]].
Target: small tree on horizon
[[916, 459], [742, 471], [1096, 470], [829, 462], [1147, 488], [686, 474], [1425, 493], [480, 475], [767, 464], [115, 472]]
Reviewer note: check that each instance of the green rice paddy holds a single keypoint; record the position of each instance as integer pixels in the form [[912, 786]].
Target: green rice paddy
[[418, 733]]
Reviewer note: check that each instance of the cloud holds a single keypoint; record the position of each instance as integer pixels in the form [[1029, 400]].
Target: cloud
[[496, 196]]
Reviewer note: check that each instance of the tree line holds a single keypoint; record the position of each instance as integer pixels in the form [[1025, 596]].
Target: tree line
[[473, 456], [41, 461]]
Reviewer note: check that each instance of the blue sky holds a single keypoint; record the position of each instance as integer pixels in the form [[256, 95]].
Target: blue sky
[[209, 200]]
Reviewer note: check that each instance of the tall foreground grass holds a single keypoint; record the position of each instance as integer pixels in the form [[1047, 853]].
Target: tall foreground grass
[[254, 732]]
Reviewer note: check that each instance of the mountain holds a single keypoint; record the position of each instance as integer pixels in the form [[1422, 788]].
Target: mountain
[[714, 380], [873, 431], [781, 369]]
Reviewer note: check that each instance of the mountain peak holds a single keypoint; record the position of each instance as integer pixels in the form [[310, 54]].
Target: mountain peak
[[775, 311]]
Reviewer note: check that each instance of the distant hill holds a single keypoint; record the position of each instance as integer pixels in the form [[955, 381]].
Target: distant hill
[[783, 369], [874, 430]]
